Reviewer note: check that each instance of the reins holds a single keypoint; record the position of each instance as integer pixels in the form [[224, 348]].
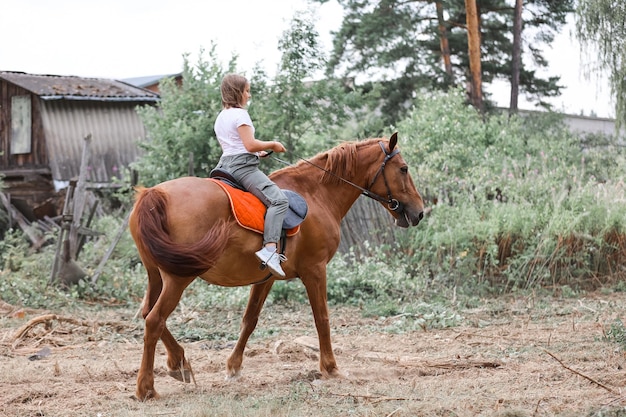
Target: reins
[[392, 203]]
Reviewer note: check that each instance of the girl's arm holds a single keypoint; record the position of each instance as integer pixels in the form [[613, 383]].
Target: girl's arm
[[254, 145]]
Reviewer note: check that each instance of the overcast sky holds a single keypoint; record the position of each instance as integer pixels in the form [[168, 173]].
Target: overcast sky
[[132, 38]]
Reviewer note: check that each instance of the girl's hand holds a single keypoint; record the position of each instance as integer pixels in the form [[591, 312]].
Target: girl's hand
[[278, 147]]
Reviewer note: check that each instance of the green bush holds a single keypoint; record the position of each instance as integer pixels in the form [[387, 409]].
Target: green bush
[[617, 334], [26, 274], [516, 202]]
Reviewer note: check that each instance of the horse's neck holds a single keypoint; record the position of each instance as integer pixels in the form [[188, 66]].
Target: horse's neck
[[336, 196], [339, 197]]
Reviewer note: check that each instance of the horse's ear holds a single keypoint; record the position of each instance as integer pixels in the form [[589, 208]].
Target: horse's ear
[[393, 141]]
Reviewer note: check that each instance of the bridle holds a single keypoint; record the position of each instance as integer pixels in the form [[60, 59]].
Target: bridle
[[392, 203]]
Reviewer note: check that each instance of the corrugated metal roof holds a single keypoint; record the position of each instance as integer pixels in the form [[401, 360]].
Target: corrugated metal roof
[[57, 87], [149, 79]]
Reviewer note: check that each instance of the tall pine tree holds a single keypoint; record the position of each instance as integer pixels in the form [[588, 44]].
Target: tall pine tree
[[399, 44]]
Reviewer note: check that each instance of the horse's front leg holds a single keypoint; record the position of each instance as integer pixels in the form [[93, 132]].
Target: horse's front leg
[[315, 284], [155, 328], [258, 295]]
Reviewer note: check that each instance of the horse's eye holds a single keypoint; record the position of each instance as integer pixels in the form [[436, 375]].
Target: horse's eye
[[404, 169]]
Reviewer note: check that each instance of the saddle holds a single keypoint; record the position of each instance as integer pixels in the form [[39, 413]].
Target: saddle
[[250, 211]]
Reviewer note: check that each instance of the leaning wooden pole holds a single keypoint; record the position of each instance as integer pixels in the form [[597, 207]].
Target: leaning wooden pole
[[66, 221], [79, 200]]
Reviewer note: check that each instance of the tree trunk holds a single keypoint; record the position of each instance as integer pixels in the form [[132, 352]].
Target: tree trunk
[[517, 56], [473, 42], [443, 42]]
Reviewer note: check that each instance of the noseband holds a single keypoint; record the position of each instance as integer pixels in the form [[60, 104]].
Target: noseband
[[392, 203]]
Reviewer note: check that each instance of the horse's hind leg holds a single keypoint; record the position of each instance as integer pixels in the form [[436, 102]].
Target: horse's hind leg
[[258, 295], [155, 328], [178, 366], [153, 290]]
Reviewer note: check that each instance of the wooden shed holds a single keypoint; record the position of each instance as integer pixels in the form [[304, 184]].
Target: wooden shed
[[44, 120]]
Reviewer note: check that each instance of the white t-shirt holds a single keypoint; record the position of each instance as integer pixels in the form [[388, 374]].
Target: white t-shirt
[[226, 126]]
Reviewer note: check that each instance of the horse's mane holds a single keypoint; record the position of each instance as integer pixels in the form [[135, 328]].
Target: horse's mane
[[331, 165], [340, 161]]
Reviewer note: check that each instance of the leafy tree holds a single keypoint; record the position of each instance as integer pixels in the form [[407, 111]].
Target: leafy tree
[[296, 103], [399, 44], [181, 139], [600, 27]]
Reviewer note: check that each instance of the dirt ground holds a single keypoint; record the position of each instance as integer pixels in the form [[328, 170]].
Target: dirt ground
[[511, 357]]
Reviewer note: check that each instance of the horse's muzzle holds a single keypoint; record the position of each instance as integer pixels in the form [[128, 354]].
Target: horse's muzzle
[[409, 217]]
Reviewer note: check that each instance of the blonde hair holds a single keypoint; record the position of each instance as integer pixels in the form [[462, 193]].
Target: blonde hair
[[232, 90]]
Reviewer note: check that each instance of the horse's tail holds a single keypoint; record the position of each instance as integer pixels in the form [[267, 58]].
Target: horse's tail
[[150, 230]]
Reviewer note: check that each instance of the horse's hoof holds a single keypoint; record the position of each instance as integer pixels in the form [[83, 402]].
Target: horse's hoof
[[149, 395], [333, 374], [183, 376], [232, 376]]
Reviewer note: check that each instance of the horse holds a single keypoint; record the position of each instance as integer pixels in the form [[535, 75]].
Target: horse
[[184, 229]]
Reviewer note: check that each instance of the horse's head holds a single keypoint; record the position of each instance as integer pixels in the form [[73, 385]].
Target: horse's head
[[393, 182]]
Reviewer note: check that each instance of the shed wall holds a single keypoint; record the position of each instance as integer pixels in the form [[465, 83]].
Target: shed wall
[[115, 129]]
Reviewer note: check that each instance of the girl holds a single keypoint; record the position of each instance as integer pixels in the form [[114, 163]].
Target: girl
[[240, 157]]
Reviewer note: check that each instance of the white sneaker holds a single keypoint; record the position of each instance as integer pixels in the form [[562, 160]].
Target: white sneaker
[[271, 260]]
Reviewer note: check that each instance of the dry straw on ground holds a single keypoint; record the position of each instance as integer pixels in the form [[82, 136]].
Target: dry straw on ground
[[514, 357]]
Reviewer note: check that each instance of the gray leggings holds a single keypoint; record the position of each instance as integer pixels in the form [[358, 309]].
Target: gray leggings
[[245, 169]]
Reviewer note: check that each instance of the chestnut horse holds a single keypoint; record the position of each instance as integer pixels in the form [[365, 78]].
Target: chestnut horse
[[184, 229]]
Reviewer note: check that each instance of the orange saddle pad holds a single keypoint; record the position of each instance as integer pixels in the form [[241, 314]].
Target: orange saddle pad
[[248, 209]]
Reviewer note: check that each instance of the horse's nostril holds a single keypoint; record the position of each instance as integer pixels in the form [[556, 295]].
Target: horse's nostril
[[421, 215]]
